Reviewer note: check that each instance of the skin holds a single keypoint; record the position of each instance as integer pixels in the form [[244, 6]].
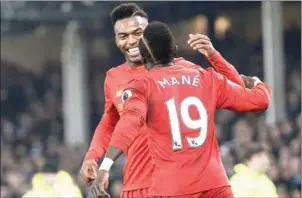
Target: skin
[[128, 32], [248, 81], [88, 170], [201, 43]]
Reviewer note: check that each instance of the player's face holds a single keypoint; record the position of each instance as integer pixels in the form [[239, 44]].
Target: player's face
[[128, 32]]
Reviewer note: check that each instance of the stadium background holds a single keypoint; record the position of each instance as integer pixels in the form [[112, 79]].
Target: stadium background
[[54, 56]]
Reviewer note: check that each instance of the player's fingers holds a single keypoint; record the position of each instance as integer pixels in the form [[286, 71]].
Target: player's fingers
[[204, 42], [94, 192], [86, 179], [88, 176], [86, 169], [106, 185], [94, 171], [107, 195], [104, 194], [97, 191], [198, 35], [201, 46], [84, 175], [203, 36], [197, 47], [195, 37], [101, 193]]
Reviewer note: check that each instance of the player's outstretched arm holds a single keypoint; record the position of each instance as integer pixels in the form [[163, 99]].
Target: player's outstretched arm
[[234, 97], [105, 128], [203, 44], [101, 138], [132, 119]]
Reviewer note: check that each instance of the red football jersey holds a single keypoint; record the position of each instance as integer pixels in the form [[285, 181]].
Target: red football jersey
[[138, 168], [178, 104]]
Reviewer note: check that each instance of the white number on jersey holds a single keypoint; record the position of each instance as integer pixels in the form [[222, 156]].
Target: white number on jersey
[[201, 123]]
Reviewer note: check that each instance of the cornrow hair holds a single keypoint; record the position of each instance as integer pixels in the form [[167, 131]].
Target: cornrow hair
[[157, 44], [126, 10], [148, 48]]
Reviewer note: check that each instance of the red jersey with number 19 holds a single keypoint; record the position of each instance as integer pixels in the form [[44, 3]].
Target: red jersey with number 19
[[178, 104], [138, 168]]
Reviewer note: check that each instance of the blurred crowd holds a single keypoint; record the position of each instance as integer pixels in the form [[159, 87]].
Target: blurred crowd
[[32, 127]]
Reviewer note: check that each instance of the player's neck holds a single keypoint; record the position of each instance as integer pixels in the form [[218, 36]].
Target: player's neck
[[156, 65], [133, 65]]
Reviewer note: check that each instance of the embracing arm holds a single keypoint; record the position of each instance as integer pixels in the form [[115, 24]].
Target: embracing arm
[[234, 97], [203, 45], [133, 117]]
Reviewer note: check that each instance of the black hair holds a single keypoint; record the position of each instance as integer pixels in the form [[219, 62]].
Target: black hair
[[252, 149], [126, 10], [157, 45]]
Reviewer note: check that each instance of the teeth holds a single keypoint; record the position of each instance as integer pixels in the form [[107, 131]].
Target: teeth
[[133, 50]]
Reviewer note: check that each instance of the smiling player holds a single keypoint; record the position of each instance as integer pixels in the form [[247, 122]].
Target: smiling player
[[129, 23], [178, 106]]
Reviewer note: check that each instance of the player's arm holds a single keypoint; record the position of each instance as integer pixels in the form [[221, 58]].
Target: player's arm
[[234, 97], [125, 133], [132, 119], [105, 128], [203, 44], [101, 137], [225, 68]]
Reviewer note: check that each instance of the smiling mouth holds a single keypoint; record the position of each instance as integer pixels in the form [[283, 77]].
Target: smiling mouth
[[133, 51]]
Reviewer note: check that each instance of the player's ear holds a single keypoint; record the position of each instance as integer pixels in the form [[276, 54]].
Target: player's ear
[[116, 41], [175, 51]]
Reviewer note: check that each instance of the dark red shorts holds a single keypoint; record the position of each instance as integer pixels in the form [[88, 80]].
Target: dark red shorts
[[222, 192]]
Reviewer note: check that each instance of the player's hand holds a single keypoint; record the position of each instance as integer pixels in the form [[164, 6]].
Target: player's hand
[[249, 81], [100, 184], [89, 170], [202, 43]]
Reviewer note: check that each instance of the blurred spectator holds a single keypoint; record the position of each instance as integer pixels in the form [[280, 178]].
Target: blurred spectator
[[65, 187], [250, 179], [40, 188]]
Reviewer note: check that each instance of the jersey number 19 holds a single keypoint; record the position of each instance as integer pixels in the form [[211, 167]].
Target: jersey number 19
[[175, 115]]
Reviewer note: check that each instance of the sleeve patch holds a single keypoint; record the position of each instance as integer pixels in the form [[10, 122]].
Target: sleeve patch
[[126, 94]]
